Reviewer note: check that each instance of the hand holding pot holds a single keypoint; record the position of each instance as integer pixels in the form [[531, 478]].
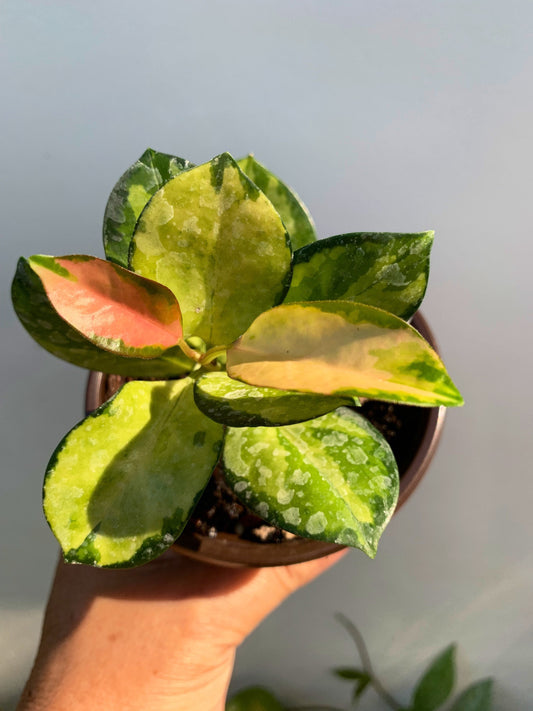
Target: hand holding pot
[[161, 637]]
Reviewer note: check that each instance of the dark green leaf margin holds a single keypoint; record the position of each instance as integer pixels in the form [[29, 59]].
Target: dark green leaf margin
[[384, 269], [129, 197]]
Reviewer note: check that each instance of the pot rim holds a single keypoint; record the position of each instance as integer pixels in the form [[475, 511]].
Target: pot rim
[[229, 550]]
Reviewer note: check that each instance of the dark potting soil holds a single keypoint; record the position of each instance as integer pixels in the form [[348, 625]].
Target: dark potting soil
[[220, 511]]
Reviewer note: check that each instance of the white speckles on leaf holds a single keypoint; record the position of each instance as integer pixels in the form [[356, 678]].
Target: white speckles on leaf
[[334, 439], [165, 213], [257, 447], [284, 496], [262, 509], [299, 477], [356, 456], [393, 275], [191, 224], [292, 516], [265, 471], [240, 486], [316, 523]]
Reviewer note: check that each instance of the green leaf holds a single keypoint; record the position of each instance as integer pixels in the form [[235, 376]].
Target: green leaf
[[360, 687], [122, 484], [292, 211], [254, 699], [350, 673], [237, 404], [340, 347], [436, 684], [478, 697], [217, 242], [383, 269], [112, 307], [129, 196], [44, 324], [333, 478]]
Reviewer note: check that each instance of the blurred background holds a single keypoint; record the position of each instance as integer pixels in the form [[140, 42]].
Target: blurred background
[[383, 116]]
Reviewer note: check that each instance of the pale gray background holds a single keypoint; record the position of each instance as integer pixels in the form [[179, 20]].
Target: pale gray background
[[384, 115]]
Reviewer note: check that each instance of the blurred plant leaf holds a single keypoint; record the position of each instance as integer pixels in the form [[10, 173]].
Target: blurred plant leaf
[[478, 697], [436, 684], [254, 699], [350, 673]]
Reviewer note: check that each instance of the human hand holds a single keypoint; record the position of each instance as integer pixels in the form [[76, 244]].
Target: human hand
[[161, 637]]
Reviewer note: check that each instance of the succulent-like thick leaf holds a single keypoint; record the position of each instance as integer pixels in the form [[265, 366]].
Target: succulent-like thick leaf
[[238, 404], [333, 478], [292, 211], [383, 269], [254, 699], [212, 237], [111, 306], [50, 331], [122, 484], [340, 347], [129, 196], [436, 684], [478, 697]]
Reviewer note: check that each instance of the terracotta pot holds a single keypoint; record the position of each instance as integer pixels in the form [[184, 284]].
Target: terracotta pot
[[230, 550]]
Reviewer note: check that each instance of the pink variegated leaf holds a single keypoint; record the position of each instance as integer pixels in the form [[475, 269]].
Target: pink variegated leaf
[[112, 307]]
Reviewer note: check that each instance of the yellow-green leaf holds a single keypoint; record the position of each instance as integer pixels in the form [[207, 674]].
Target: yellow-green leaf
[[292, 211], [238, 404], [341, 347], [333, 478], [122, 484], [217, 242]]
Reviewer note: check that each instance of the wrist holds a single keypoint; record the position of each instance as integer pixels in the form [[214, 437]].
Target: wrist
[[54, 687]]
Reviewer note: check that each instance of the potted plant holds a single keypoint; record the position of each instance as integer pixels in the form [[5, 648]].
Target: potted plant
[[249, 343]]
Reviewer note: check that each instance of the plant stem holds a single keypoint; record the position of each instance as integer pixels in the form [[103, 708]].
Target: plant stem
[[365, 659], [212, 354], [189, 352]]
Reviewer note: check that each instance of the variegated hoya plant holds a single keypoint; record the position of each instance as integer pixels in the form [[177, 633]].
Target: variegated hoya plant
[[251, 343]]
